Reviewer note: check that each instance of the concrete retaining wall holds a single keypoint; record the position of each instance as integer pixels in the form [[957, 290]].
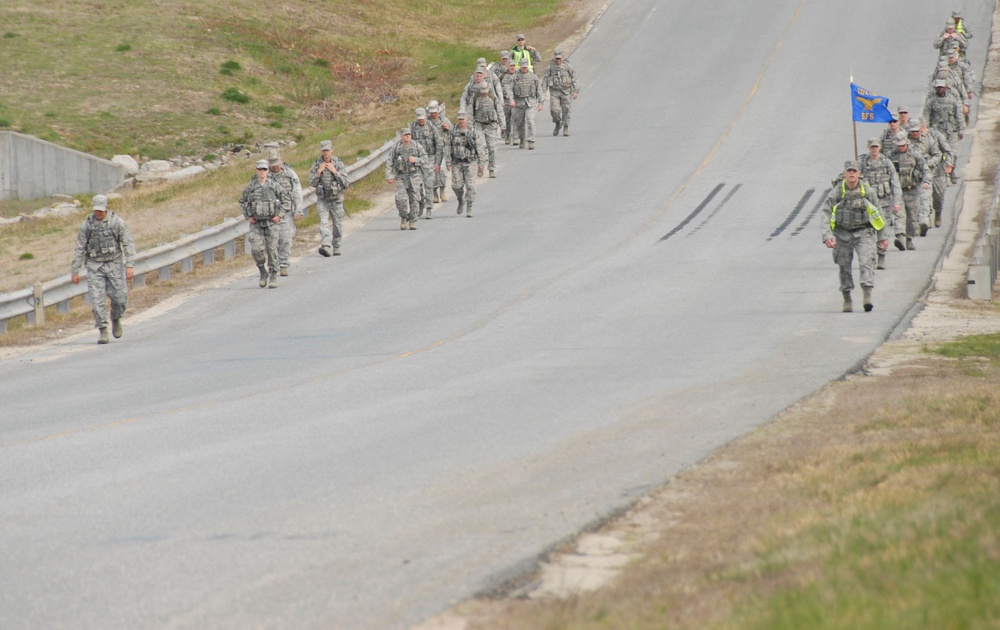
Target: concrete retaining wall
[[31, 168]]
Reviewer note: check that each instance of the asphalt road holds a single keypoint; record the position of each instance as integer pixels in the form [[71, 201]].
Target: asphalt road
[[401, 427]]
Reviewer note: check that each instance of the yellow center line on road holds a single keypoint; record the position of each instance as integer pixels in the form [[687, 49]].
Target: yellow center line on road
[[522, 297]]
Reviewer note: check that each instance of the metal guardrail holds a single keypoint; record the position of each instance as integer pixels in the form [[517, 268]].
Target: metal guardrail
[[982, 274], [30, 302]]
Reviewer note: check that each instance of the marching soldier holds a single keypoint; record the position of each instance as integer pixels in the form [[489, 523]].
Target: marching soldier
[[560, 83], [879, 171], [104, 244], [463, 147], [264, 202], [403, 167], [427, 136], [288, 179], [526, 89], [326, 176], [488, 116]]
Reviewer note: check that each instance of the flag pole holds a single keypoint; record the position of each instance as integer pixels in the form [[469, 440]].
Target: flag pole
[[855, 123]]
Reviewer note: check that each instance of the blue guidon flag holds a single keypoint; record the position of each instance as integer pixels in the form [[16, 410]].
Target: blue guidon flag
[[868, 107]]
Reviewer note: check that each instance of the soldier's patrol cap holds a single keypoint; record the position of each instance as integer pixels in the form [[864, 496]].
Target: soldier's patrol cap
[[874, 141], [903, 109], [421, 113], [956, 15], [505, 54], [405, 131], [558, 55], [913, 126], [484, 86], [262, 164], [902, 139], [480, 69], [852, 165], [433, 107], [274, 160], [951, 23], [326, 145], [523, 62], [520, 36], [940, 83], [481, 61], [952, 53], [461, 115], [100, 202]]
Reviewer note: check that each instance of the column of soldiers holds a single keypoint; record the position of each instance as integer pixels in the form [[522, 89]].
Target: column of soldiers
[[497, 103], [897, 188]]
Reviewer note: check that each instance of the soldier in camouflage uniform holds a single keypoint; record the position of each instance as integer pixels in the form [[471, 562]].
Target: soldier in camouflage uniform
[[436, 116], [264, 202], [879, 171], [560, 83], [488, 116], [472, 88], [326, 175], [527, 95], [404, 167], [464, 146], [521, 50], [852, 223], [285, 175], [914, 178], [943, 112], [507, 86], [950, 38], [933, 160], [888, 138], [500, 68], [103, 242], [427, 136], [945, 170]]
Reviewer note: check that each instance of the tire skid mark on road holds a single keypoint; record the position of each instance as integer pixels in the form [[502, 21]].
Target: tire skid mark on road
[[791, 217], [659, 212], [812, 213], [701, 206], [717, 208]]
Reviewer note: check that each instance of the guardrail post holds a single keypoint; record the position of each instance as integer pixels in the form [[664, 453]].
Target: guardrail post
[[62, 307], [39, 302], [139, 280], [247, 250], [187, 264], [978, 285], [208, 257], [3, 325], [230, 251], [164, 273]]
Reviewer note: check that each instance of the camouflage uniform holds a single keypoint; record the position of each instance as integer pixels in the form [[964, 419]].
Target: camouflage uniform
[[436, 117], [107, 249], [517, 53], [488, 115], [329, 204], [427, 136], [408, 178], [913, 174], [462, 148], [288, 179], [847, 220], [934, 162], [263, 202], [944, 113], [882, 177], [560, 82], [507, 86], [527, 91]]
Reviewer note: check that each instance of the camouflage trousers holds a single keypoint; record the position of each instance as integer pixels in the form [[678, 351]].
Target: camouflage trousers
[[264, 245], [409, 191], [463, 180], [286, 233], [506, 115], [559, 106], [523, 120], [849, 242], [331, 220], [913, 201], [491, 133], [428, 179], [441, 177], [106, 280], [938, 185]]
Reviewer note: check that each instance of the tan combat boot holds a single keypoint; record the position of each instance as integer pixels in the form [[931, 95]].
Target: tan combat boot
[[848, 306], [116, 328], [867, 292], [104, 336]]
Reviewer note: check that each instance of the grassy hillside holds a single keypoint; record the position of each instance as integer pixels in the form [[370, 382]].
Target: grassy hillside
[[165, 77]]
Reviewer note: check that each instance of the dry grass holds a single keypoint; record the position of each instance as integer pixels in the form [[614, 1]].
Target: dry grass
[[858, 508]]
